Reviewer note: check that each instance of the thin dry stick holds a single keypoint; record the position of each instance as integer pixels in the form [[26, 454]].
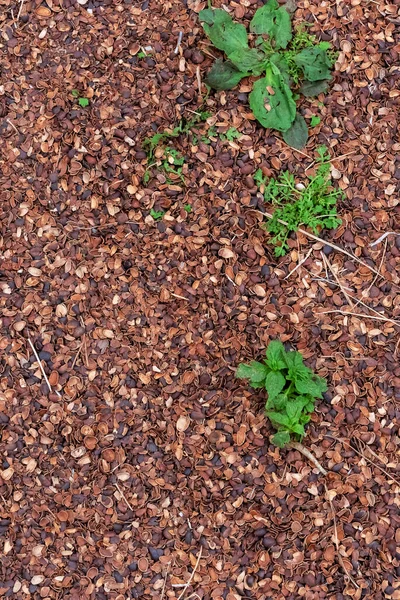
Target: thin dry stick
[[20, 9], [123, 496], [198, 77], [328, 264], [336, 541], [165, 581], [299, 264], [318, 239], [12, 125], [342, 441], [192, 574], [77, 355], [181, 297], [178, 45], [41, 368], [380, 239], [363, 315], [309, 455]]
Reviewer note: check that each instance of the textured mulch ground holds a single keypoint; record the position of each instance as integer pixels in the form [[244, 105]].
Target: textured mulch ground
[[149, 465]]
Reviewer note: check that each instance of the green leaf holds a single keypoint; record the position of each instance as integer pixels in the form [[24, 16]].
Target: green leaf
[[275, 110], [223, 75], [75, 93], [275, 353], [274, 383], [156, 214], [315, 386], [255, 371], [225, 34], [274, 21], [315, 63], [315, 120], [248, 60], [313, 88], [278, 420], [294, 408], [83, 102], [299, 429], [297, 135], [281, 439]]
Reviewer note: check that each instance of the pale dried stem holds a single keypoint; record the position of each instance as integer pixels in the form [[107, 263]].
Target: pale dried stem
[[309, 455], [41, 368], [192, 574]]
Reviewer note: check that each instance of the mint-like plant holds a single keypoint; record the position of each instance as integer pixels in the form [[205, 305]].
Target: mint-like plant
[[284, 60], [292, 391]]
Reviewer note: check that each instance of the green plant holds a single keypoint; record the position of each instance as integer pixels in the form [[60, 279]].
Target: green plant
[[157, 214], [312, 205], [315, 120], [292, 390], [141, 54], [188, 208], [83, 102], [231, 134], [283, 60]]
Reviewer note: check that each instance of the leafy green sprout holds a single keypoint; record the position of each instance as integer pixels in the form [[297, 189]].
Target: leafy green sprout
[[292, 390], [282, 60], [188, 208], [141, 54], [312, 205], [157, 214], [82, 101], [315, 120]]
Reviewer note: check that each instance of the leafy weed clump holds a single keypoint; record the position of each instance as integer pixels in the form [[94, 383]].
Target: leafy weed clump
[[292, 391], [283, 60], [313, 205]]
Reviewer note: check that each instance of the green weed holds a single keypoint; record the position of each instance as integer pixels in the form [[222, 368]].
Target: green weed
[[292, 390]]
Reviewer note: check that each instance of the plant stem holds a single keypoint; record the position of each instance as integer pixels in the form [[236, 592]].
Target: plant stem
[[309, 455]]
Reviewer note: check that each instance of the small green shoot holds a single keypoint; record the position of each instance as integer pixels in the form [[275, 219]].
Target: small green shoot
[[141, 54], [312, 205], [75, 93], [315, 120], [231, 134], [157, 214], [292, 390], [285, 62], [83, 102], [188, 208]]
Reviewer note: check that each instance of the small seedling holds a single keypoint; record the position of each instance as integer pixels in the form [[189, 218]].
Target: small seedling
[[231, 134], [284, 60], [188, 208], [141, 54], [75, 93], [292, 391], [312, 205], [315, 121], [83, 102], [157, 214]]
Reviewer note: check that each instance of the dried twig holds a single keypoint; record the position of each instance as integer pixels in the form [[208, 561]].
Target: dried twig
[[12, 125], [309, 455], [41, 368], [336, 540], [124, 497], [165, 581], [192, 574], [20, 9], [380, 239], [328, 264], [303, 260], [178, 45]]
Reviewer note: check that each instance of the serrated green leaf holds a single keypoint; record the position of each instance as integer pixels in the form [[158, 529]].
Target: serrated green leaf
[[275, 110], [275, 353], [315, 386], [297, 135], [279, 420], [274, 383], [299, 429], [225, 34], [274, 21], [281, 439], [223, 75], [256, 372], [278, 403], [293, 410], [315, 63], [248, 60], [313, 88], [83, 102]]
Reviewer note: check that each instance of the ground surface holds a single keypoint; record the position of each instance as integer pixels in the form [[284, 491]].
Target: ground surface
[[149, 460]]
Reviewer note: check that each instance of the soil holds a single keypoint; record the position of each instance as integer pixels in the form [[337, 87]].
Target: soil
[[147, 471]]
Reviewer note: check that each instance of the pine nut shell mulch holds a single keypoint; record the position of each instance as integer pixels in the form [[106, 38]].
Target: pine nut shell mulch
[[147, 471]]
